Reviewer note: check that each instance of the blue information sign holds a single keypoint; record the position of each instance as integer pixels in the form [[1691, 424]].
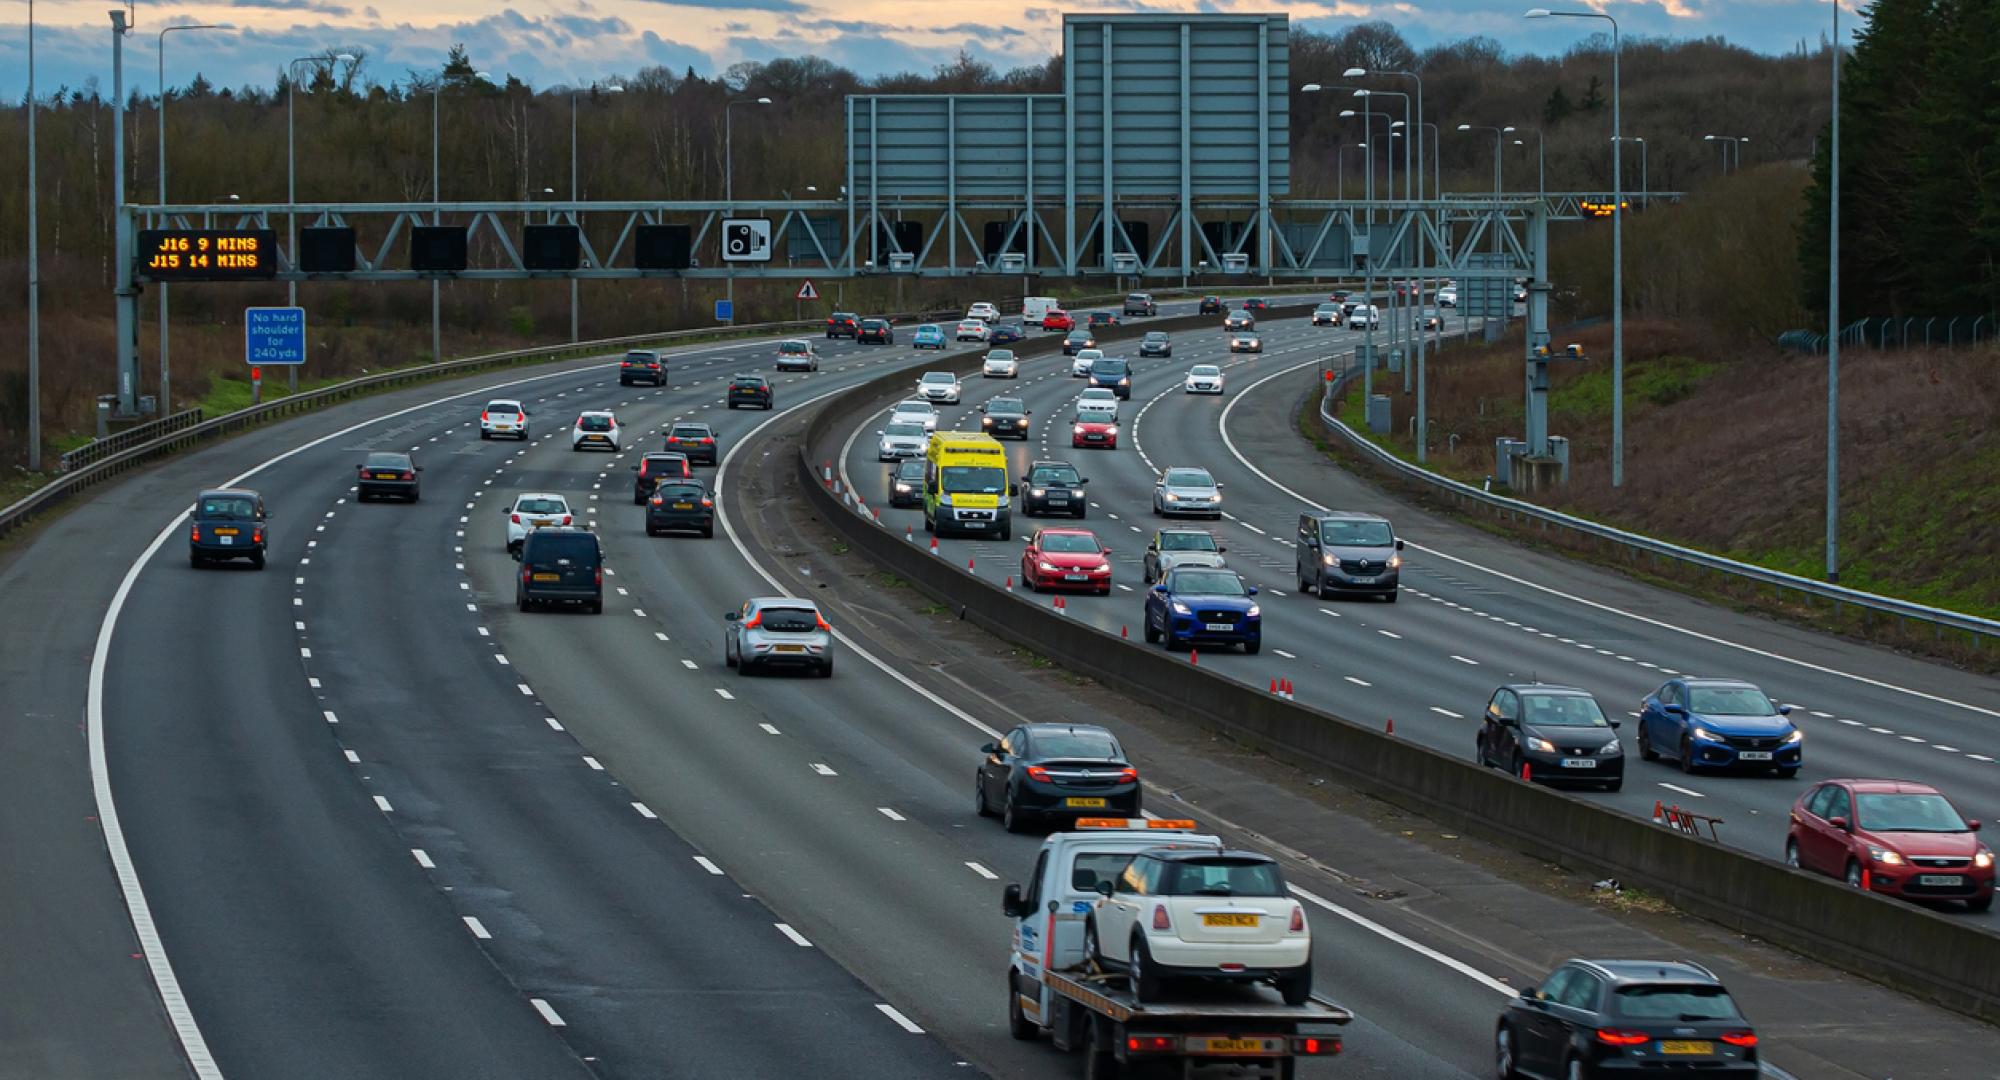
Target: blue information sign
[[274, 336], [725, 310]]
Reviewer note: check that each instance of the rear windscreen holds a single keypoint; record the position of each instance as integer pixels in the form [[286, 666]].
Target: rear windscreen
[[388, 461], [680, 492], [595, 423], [572, 546], [1222, 877], [225, 506], [1685, 1004], [789, 620], [541, 506], [683, 431]]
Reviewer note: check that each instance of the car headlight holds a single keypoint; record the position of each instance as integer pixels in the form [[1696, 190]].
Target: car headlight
[[1181, 609], [1046, 567], [903, 489], [1215, 497], [1079, 429], [944, 498], [1170, 496], [1125, 382], [1540, 744], [1330, 560], [1885, 856], [1983, 860], [1796, 736], [1703, 733], [1395, 562], [986, 420], [1112, 430], [1038, 492], [1610, 748], [1254, 612]]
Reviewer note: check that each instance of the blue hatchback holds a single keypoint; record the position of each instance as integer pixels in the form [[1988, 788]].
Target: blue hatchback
[[928, 336], [1204, 604], [1719, 724]]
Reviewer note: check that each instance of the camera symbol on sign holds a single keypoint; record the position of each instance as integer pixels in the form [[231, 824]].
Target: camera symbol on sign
[[747, 240]]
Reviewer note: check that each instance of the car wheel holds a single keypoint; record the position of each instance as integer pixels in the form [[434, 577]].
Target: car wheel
[[1980, 903], [1093, 949], [1792, 854], [979, 805], [597, 607], [1615, 785], [1853, 874], [1145, 985], [1251, 648], [1028, 580], [826, 669], [708, 532], [195, 560], [1687, 756], [1152, 635], [1018, 1024], [1390, 597], [257, 560], [1515, 763], [1646, 750], [1079, 513], [1012, 820], [1479, 750], [1573, 1070], [1297, 987]]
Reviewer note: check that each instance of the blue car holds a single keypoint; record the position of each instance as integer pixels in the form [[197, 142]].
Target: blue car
[[928, 336], [1006, 334], [1201, 604], [1719, 724]]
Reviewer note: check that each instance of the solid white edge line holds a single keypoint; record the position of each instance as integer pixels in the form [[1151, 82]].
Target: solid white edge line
[[902, 1021], [1417, 947], [1222, 423]]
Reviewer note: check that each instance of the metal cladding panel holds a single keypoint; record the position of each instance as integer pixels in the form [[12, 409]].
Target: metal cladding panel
[[1144, 67], [912, 144]]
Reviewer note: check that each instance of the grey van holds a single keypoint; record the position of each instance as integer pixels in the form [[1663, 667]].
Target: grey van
[[1345, 551]]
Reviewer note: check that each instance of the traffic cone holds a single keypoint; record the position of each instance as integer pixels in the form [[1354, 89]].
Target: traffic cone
[[1867, 880], [1390, 727], [1010, 583], [1285, 687], [910, 533], [933, 545], [1194, 656], [1275, 692], [1659, 813], [1525, 773], [969, 566], [1122, 631]]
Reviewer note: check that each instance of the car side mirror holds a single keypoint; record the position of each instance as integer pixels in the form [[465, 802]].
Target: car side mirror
[[1011, 904], [1841, 823], [879, 431], [634, 468], [1972, 824], [515, 552], [1221, 549], [1784, 710], [1253, 590], [1529, 993], [1104, 551], [1399, 545], [990, 748], [1674, 710], [1083, 481], [1615, 722], [1104, 889], [1160, 588], [730, 616], [1218, 485]]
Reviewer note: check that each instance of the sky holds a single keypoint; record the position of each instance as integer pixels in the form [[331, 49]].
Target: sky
[[572, 42]]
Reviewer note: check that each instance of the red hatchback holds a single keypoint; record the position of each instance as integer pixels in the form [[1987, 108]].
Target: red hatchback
[[1891, 836], [1066, 559], [1094, 429], [1057, 319]]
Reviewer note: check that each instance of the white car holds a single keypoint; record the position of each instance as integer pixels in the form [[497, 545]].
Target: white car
[[984, 312], [1187, 491], [1098, 397], [940, 386], [797, 355], [596, 430], [1365, 317], [1203, 379], [534, 510], [1448, 296], [900, 439], [1186, 912], [504, 416], [1079, 366], [1001, 364], [972, 330], [920, 413]]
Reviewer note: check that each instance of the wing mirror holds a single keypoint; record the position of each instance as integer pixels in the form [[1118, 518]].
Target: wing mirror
[[990, 748], [1841, 823], [1675, 710], [1221, 548], [1161, 588], [1399, 545], [1104, 889], [730, 616], [515, 552], [1972, 824], [1011, 904], [1253, 590], [634, 468], [1784, 710]]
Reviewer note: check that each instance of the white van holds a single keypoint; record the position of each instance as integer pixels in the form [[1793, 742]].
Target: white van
[[1034, 307]]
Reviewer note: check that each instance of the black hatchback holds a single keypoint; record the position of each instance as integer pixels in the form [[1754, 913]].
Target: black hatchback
[[386, 475], [906, 484], [225, 524], [750, 390], [1612, 1018], [1112, 374], [1053, 487], [1004, 417], [560, 565], [680, 506]]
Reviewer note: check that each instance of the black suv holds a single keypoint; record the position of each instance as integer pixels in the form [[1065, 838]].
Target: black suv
[[750, 390], [842, 324], [560, 565], [1053, 487], [642, 364], [1140, 303], [875, 330], [697, 441], [655, 467], [1112, 374], [1212, 305], [1599, 1018], [680, 504], [906, 484], [1347, 551], [227, 523], [1003, 416]]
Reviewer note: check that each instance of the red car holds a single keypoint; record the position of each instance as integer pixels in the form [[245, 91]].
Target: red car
[[1094, 429], [1057, 319], [1893, 836], [1066, 559]]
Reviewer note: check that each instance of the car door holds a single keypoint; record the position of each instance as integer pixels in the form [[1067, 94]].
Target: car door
[[1812, 837], [1535, 1039], [1503, 715], [1572, 1013], [1117, 913], [1835, 844], [999, 766], [1669, 724], [732, 631]]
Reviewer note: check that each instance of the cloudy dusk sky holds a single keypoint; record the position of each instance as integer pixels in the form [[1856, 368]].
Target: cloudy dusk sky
[[549, 42]]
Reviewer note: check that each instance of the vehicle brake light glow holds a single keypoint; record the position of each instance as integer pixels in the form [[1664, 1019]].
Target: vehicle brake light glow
[[1740, 1038], [819, 621], [1128, 774], [516, 518], [1134, 823], [1149, 1044], [482, 414], [1160, 920], [195, 536], [754, 621], [1314, 1045], [707, 503], [1036, 772], [408, 475], [1614, 1037], [598, 576], [257, 535], [706, 441]]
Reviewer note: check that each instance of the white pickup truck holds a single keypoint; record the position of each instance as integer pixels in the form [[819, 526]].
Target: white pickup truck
[[1239, 1029]]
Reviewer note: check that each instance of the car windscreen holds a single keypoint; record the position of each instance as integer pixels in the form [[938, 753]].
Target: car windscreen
[[1070, 543], [675, 490], [1005, 407], [1108, 369], [973, 479], [939, 377], [1209, 583], [1156, 335], [595, 423], [1562, 710], [1900, 812], [795, 348], [541, 506], [1221, 877], [910, 470], [1188, 478], [228, 506], [906, 430], [1206, 371], [1052, 476], [690, 431], [748, 382], [1355, 534], [1079, 335], [1186, 541], [786, 620], [1685, 1004], [1000, 354], [1076, 745], [576, 547], [1325, 308], [1729, 701], [873, 324], [1139, 298], [388, 461], [654, 463]]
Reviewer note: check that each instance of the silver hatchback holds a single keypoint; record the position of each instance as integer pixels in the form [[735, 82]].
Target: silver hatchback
[[1187, 491], [770, 632]]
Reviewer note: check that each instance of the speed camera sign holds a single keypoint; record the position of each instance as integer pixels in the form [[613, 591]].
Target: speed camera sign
[[746, 239]]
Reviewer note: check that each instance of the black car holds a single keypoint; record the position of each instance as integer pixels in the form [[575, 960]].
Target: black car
[[842, 324], [1006, 333], [1348, 305], [1255, 304], [642, 365], [1338, 295], [750, 390], [1004, 416], [1139, 303], [1077, 341], [1055, 770], [697, 441], [680, 505], [1053, 487], [386, 475], [655, 467], [1102, 318], [876, 331], [1551, 734], [1610, 1018], [560, 564], [1112, 374], [906, 484], [225, 524], [1212, 305], [1156, 343]]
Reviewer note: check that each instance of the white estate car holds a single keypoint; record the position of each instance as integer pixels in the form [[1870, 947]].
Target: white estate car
[[504, 416], [534, 510], [915, 412], [1203, 379], [596, 430], [1186, 912], [940, 387], [984, 312], [1079, 367], [972, 330], [1001, 364]]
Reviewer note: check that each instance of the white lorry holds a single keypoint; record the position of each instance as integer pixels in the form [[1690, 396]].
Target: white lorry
[[1237, 1030]]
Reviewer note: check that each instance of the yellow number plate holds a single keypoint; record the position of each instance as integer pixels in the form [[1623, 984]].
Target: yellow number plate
[[225, 532], [385, 476], [1084, 803], [1229, 920], [683, 506], [548, 577], [1233, 1046], [1686, 1047], [791, 648]]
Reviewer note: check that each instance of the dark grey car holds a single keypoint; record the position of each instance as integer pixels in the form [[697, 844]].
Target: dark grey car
[[1345, 551]]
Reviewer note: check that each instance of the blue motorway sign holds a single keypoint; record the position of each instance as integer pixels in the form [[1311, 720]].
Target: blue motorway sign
[[274, 336], [725, 310]]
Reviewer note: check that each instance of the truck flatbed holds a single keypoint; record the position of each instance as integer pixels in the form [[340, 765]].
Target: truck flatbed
[[1111, 995]]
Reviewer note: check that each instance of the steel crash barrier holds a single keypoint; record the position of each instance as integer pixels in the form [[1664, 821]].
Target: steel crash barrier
[[1946, 960]]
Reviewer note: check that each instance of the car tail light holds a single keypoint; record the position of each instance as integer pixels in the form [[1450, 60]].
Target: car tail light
[[195, 536], [361, 470], [579, 421], [1740, 1038], [527, 575], [754, 621], [408, 475], [516, 518], [565, 519], [656, 500], [482, 415], [1298, 920], [520, 418], [1314, 1045], [1036, 772], [1151, 1044], [597, 576], [819, 622], [257, 535], [709, 503], [707, 441], [1615, 1037], [1127, 775], [1160, 920]]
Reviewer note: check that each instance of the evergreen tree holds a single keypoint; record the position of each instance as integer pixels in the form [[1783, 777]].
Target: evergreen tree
[[458, 66], [1593, 95], [1558, 108]]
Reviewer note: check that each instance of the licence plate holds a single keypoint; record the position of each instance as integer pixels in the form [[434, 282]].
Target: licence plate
[[1233, 1046], [1095, 438], [1249, 920], [385, 476], [227, 539], [225, 532], [1940, 879], [791, 648], [1084, 803], [1219, 626], [1076, 577], [1058, 502], [1579, 763], [683, 506], [1364, 579], [548, 577], [540, 522], [1754, 755], [1684, 1046], [973, 524]]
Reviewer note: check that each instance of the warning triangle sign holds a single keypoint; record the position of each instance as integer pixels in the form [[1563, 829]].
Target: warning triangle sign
[[807, 292]]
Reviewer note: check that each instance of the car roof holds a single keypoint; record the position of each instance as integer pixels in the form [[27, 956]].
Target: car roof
[[1703, 680], [1067, 729], [1180, 854], [599, 412], [1066, 530], [212, 493], [503, 401], [783, 601], [1186, 468], [1888, 787], [692, 423], [1344, 515], [1650, 971], [538, 495], [1545, 688], [940, 375], [665, 454], [1185, 529], [912, 405]]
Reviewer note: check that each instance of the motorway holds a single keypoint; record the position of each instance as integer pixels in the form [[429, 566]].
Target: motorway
[[1474, 612], [388, 826]]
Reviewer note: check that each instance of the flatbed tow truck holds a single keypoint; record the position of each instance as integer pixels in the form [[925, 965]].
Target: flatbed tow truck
[[1205, 1030]]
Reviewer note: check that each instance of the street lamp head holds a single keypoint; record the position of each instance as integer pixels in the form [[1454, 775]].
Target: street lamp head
[[763, 101], [342, 58], [1536, 13], [1507, 129], [1743, 138], [1393, 124], [1354, 73], [1310, 88], [1348, 112], [810, 187], [1361, 93], [1708, 138], [612, 88], [548, 191], [1465, 127], [1518, 142]]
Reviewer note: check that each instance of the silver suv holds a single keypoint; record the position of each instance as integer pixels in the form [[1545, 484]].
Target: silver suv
[[775, 632]]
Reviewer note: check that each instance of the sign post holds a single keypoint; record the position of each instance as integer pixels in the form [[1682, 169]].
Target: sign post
[[273, 335], [725, 311], [806, 292]]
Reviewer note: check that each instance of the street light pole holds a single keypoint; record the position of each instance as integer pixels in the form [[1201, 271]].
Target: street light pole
[[1833, 328], [1343, 167], [1644, 187], [729, 177], [291, 180], [166, 377], [34, 273]]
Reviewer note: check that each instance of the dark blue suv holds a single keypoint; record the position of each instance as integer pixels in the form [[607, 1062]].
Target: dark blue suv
[[1204, 604]]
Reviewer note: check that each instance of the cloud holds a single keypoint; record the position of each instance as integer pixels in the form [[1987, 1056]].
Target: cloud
[[785, 6], [317, 7]]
